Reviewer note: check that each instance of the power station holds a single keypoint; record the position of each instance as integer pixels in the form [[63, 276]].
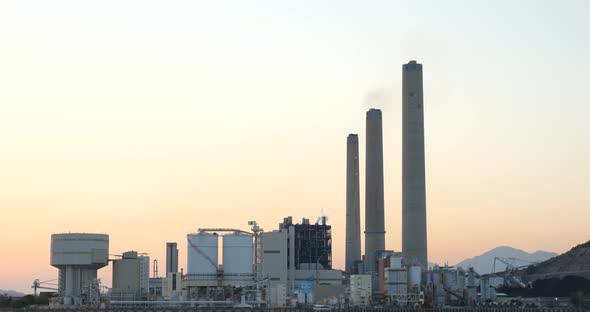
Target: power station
[[292, 265], [78, 256]]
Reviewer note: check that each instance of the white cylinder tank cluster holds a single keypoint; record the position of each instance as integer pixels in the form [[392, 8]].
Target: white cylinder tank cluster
[[238, 259], [202, 255], [78, 256]]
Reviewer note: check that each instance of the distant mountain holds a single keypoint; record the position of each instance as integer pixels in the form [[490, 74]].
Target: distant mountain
[[11, 293], [576, 259], [559, 276], [484, 262]]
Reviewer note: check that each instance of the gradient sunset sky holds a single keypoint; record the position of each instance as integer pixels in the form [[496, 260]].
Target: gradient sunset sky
[[147, 120]]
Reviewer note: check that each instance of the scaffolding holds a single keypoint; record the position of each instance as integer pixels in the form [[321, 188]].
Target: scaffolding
[[313, 242]]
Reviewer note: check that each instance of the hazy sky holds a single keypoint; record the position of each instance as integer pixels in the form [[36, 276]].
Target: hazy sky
[[148, 120]]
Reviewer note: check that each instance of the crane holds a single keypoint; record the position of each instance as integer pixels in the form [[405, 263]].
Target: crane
[[39, 285], [510, 278], [509, 262]]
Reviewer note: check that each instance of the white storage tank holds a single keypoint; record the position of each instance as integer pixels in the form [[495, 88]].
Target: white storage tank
[[238, 254], [439, 291], [202, 254], [460, 278], [485, 291], [415, 276], [471, 294], [450, 279], [77, 256]]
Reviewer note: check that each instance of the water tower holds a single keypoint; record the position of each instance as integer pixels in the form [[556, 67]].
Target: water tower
[[78, 256]]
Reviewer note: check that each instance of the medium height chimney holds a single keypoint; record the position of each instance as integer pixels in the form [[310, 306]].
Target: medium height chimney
[[374, 214], [353, 204]]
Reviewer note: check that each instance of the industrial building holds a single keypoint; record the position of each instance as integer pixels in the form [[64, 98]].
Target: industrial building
[[296, 259], [156, 287], [172, 287], [292, 264], [287, 266], [78, 256], [361, 289], [274, 265], [131, 277], [313, 242], [171, 258], [398, 284]]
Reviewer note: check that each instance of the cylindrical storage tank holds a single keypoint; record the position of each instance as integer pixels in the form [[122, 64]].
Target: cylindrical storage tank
[[450, 279], [492, 293], [460, 279], [238, 254], [126, 272], [439, 291], [415, 276], [202, 254], [484, 289], [427, 277], [471, 295]]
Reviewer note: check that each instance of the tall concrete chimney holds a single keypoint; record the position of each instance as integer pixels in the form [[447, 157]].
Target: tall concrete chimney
[[374, 215], [171, 258], [414, 243], [353, 204]]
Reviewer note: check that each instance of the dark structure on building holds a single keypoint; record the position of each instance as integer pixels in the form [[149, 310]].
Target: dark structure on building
[[313, 242]]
